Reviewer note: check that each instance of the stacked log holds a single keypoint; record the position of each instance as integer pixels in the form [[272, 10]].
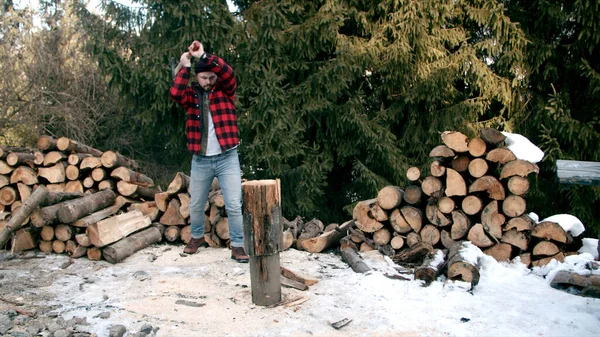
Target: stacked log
[[174, 213], [475, 190], [86, 186]]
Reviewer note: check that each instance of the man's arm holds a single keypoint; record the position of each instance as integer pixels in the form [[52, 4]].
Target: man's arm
[[177, 91]]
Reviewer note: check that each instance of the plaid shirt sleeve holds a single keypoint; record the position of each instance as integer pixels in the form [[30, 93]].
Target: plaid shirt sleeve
[[224, 72], [178, 89]]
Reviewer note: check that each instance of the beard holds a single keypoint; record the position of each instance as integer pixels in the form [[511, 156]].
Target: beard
[[208, 87]]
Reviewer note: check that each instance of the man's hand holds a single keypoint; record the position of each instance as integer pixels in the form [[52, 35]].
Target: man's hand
[[186, 59], [196, 49]]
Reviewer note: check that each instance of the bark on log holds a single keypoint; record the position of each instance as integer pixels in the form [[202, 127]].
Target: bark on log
[[136, 191], [328, 239], [431, 267], [133, 177], [362, 214], [492, 136], [180, 183], [293, 275], [460, 163], [390, 197], [20, 158], [459, 266], [93, 218], [461, 224], [69, 145], [312, 229], [446, 239], [22, 213], [353, 259], [111, 159], [414, 254], [72, 210]]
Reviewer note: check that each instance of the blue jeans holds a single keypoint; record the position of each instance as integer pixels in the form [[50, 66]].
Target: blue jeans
[[226, 167]]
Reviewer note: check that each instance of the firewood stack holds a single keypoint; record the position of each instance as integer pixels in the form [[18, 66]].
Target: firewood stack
[[475, 191], [89, 191], [175, 207]]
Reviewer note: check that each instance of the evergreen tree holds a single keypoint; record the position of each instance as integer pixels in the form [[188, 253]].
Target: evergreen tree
[[339, 98]]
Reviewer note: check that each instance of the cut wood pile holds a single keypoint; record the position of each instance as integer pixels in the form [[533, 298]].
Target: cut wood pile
[[474, 190], [91, 198]]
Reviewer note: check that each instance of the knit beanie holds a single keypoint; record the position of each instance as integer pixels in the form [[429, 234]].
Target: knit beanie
[[201, 66]]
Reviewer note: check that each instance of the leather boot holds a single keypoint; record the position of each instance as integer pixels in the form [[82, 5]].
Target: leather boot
[[238, 254], [194, 244]]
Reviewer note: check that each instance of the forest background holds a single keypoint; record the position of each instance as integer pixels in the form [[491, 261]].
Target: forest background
[[337, 98]]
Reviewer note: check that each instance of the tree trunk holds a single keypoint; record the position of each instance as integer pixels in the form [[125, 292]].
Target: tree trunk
[[68, 145], [46, 143], [22, 213], [351, 257], [128, 246], [432, 186], [90, 163], [414, 254], [130, 176], [550, 231], [111, 159], [328, 239], [491, 220], [478, 237], [492, 136], [471, 205], [460, 225], [136, 191], [459, 267], [431, 267], [20, 158], [430, 235]]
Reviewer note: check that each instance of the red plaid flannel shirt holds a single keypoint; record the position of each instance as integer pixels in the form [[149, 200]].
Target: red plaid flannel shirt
[[222, 107]]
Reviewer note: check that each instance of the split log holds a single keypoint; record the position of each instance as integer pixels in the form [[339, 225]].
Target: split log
[[180, 183], [399, 224], [455, 140], [22, 213], [500, 252], [130, 176], [522, 223], [76, 251], [55, 174], [501, 155], [446, 239], [5, 168], [518, 167], [69, 145], [515, 238], [312, 229], [172, 215], [435, 216], [560, 257], [478, 237], [136, 191], [72, 210], [184, 209], [548, 230], [111, 159], [353, 259], [23, 240], [441, 152], [90, 163], [492, 220], [93, 218], [525, 259], [46, 143], [186, 234], [293, 284], [162, 200], [74, 186], [566, 279], [477, 147], [390, 197], [362, 215], [461, 224], [413, 216], [222, 228], [545, 248], [460, 267], [25, 175], [455, 184], [52, 158], [431, 267], [148, 208], [327, 240], [110, 230], [491, 185], [3, 181], [492, 136]]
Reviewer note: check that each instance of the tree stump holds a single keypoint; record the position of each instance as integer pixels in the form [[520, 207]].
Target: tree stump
[[263, 239]]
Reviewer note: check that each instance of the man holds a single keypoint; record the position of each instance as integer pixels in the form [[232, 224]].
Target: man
[[212, 135]]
